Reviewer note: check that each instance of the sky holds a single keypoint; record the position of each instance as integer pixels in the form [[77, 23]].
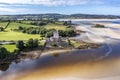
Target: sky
[[105, 7]]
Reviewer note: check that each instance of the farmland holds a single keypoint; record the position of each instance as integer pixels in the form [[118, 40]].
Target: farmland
[[10, 35]]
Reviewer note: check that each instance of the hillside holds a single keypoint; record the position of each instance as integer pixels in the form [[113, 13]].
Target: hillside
[[55, 16]]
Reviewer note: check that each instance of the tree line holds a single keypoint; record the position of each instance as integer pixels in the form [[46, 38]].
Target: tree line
[[5, 54], [31, 43], [68, 32], [3, 28]]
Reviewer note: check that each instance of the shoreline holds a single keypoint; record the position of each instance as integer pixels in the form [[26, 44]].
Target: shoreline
[[35, 54], [102, 19]]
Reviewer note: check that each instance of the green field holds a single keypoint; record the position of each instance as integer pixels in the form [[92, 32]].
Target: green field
[[26, 22], [15, 25], [10, 48], [3, 24], [55, 26], [10, 35]]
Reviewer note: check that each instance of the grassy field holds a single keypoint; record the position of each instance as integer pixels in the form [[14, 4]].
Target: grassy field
[[3, 24], [26, 22], [55, 26], [15, 25], [10, 35], [10, 48]]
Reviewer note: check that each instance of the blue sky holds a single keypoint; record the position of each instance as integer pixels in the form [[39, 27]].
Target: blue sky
[[106, 7]]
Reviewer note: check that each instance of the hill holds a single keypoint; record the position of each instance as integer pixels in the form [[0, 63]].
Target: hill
[[55, 16]]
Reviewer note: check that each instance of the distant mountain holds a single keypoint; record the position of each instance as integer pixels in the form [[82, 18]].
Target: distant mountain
[[57, 16]]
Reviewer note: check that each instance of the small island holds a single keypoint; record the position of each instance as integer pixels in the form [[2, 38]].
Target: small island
[[98, 26]]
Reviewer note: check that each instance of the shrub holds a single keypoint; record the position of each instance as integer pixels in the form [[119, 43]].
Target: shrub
[[99, 26], [20, 45], [3, 53], [29, 43]]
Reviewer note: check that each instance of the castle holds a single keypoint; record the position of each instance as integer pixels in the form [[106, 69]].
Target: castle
[[56, 40]]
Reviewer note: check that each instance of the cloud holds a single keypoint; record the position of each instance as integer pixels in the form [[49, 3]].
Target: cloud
[[2, 5], [52, 2], [12, 10], [7, 10]]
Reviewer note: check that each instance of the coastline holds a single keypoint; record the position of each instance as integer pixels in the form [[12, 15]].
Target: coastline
[[54, 51], [103, 19]]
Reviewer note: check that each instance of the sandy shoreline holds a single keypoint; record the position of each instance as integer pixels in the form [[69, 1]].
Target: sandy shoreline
[[101, 35]]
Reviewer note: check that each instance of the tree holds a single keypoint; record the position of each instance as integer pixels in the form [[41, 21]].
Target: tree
[[7, 24], [20, 45], [20, 28], [69, 42], [32, 31], [70, 32], [24, 31], [67, 33], [49, 34], [62, 33], [3, 53], [1, 29], [29, 43], [65, 23], [99, 26], [32, 43], [35, 43]]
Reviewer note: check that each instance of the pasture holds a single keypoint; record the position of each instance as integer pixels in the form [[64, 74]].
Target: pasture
[[10, 48], [11, 35]]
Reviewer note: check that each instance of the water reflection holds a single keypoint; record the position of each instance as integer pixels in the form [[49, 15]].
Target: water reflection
[[4, 67], [56, 54]]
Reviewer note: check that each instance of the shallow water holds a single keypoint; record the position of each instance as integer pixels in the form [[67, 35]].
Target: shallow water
[[76, 65]]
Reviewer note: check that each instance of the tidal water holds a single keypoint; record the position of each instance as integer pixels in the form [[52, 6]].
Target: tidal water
[[89, 23], [76, 65]]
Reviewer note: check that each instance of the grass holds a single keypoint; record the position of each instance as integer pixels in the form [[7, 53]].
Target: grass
[[15, 25], [55, 26], [41, 43], [10, 35], [3, 24], [26, 22], [77, 44], [10, 48]]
